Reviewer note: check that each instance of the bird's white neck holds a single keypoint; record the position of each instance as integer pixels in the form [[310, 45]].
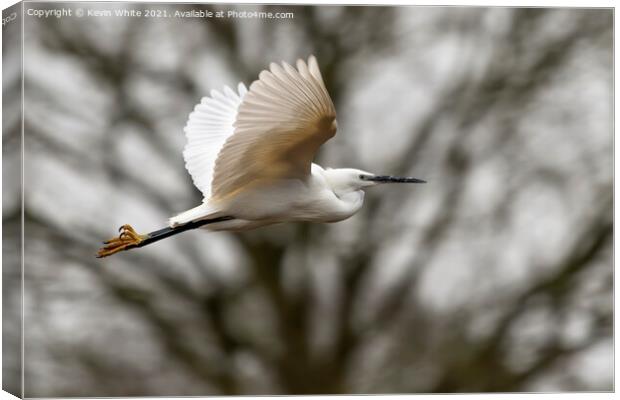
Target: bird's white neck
[[348, 191], [351, 199], [354, 199]]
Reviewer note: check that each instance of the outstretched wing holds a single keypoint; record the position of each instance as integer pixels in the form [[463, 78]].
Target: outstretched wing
[[207, 129], [284, 118]]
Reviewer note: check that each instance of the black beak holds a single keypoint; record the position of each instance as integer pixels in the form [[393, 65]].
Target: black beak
[[388, 179]]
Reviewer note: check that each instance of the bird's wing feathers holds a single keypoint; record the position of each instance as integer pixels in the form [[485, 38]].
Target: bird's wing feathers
[[207, 129], [284, 118]]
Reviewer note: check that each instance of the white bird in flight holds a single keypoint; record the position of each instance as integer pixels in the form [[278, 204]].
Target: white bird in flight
[[250, 153]]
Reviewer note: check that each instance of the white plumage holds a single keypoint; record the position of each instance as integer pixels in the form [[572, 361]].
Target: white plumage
[[250, 154], [208, 127]]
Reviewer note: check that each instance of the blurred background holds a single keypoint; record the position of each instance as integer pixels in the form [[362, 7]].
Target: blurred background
[[494, 276]]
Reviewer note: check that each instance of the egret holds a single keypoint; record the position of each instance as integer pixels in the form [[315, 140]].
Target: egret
[[250, 153]]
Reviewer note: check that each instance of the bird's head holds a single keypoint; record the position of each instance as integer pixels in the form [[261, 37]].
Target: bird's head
[[343, 180]]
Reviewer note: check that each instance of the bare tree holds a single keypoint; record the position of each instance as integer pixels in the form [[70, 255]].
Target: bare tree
[[496, 276]]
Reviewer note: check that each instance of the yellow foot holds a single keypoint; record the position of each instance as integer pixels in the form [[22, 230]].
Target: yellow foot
[[127, 239]]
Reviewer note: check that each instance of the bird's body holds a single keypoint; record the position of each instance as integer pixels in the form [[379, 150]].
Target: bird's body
[[315, 198], [250, 153]]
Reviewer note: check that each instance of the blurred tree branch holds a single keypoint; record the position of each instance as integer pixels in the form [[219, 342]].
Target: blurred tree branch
[[204, 325]]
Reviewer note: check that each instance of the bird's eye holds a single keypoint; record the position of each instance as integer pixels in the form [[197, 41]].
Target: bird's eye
[[363, 177]]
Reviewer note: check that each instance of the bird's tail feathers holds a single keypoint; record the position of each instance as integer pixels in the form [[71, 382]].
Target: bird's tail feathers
[[197, 213]]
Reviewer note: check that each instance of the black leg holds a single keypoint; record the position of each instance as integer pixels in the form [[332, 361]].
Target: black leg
[[130, 239]]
